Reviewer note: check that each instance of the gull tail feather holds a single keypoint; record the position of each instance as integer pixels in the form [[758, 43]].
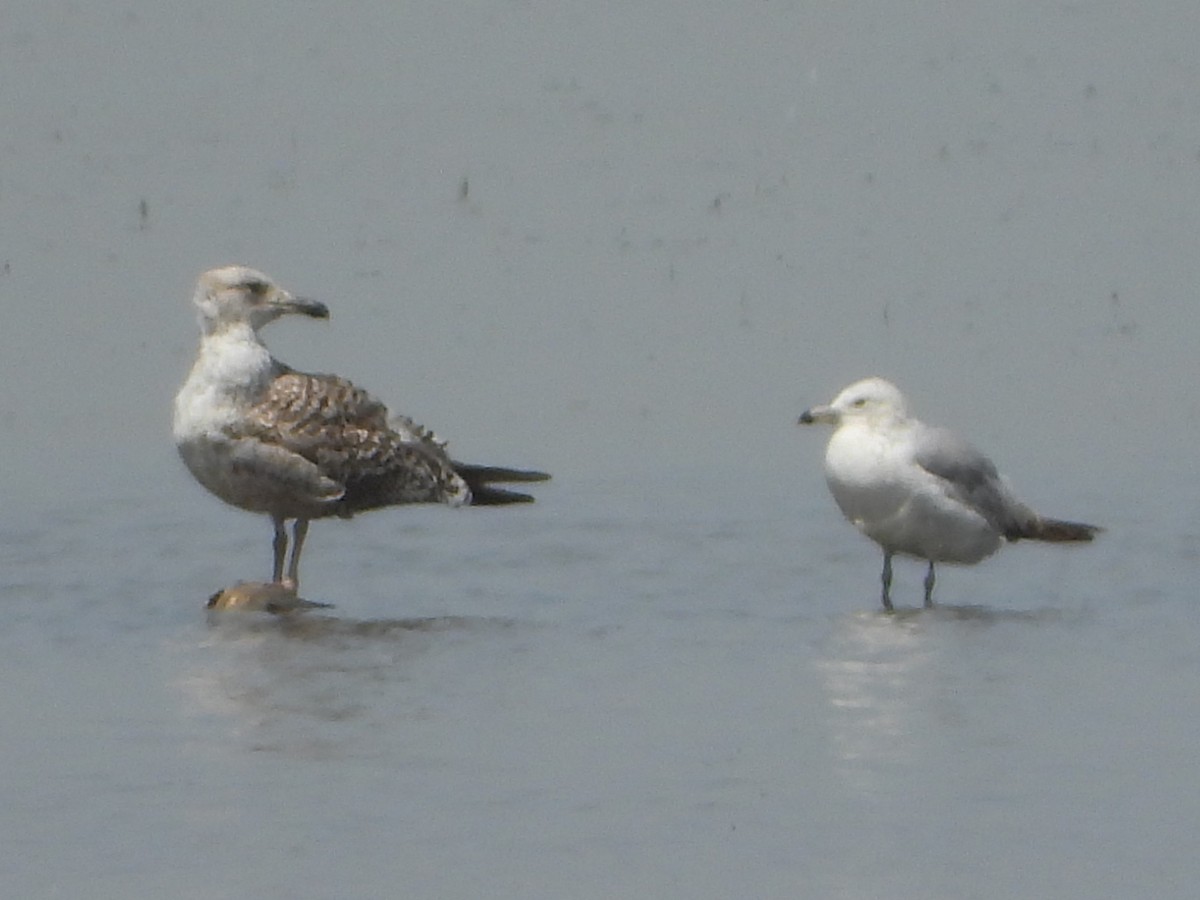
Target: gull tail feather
[[1059, 531], [480, 478]]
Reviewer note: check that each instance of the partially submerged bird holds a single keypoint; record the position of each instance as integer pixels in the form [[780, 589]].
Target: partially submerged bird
[[269, 439], [920, 490], [261, 596]]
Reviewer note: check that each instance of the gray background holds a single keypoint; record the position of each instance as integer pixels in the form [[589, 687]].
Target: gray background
[[684, 223]]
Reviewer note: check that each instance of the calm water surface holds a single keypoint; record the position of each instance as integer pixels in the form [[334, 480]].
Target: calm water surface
[[686, 694]]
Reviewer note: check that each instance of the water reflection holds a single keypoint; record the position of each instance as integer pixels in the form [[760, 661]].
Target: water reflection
[[331, 629], [868, 670], [890, 683], [320, 684]]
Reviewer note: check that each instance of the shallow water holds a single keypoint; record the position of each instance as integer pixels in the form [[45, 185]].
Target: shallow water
[[590, 697]]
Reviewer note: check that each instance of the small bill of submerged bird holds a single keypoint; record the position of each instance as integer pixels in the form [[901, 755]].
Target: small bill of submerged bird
[[920, 490], [261, 596]]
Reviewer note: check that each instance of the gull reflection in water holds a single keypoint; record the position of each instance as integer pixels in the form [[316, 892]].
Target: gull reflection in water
[[891, 684], [301, 680], [870, 670]]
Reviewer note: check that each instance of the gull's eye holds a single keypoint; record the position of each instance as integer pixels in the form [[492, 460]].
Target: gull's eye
[[257, 288], [859, 403]]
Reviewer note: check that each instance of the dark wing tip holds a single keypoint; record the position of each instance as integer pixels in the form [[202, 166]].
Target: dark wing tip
[[481, 478], [1057, 530], [484, 474], [485, 495]]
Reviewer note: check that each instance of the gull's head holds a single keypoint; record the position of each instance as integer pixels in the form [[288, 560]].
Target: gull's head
[[238, 295], [869, 400]]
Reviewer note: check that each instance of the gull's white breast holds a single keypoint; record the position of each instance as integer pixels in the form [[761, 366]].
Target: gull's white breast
[[880, 488], [229, 374]]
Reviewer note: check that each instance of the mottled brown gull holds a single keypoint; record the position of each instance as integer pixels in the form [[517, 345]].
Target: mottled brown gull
[[266, 438], [919, 490]]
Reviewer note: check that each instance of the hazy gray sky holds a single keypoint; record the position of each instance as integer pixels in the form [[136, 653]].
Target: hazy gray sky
[[683, 224]]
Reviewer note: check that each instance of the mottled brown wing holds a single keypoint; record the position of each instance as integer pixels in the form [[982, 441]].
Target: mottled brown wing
[[345, 432]]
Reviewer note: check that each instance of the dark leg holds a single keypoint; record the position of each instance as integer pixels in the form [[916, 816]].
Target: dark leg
[[299, 533], [887, 580], [929, 579], [280, 547]]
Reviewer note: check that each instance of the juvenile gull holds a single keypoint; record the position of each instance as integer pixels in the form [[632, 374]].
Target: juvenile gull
[[266, 438], [920, 490]]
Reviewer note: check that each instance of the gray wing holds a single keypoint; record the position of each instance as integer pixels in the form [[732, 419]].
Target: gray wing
[[971, 478]]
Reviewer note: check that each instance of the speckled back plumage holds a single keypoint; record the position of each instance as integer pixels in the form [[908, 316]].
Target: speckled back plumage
[[346, 433]]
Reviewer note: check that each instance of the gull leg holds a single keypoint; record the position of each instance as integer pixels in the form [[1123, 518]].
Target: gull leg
[[929, 579], [299, 533], [887, 580], [280, 546]]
